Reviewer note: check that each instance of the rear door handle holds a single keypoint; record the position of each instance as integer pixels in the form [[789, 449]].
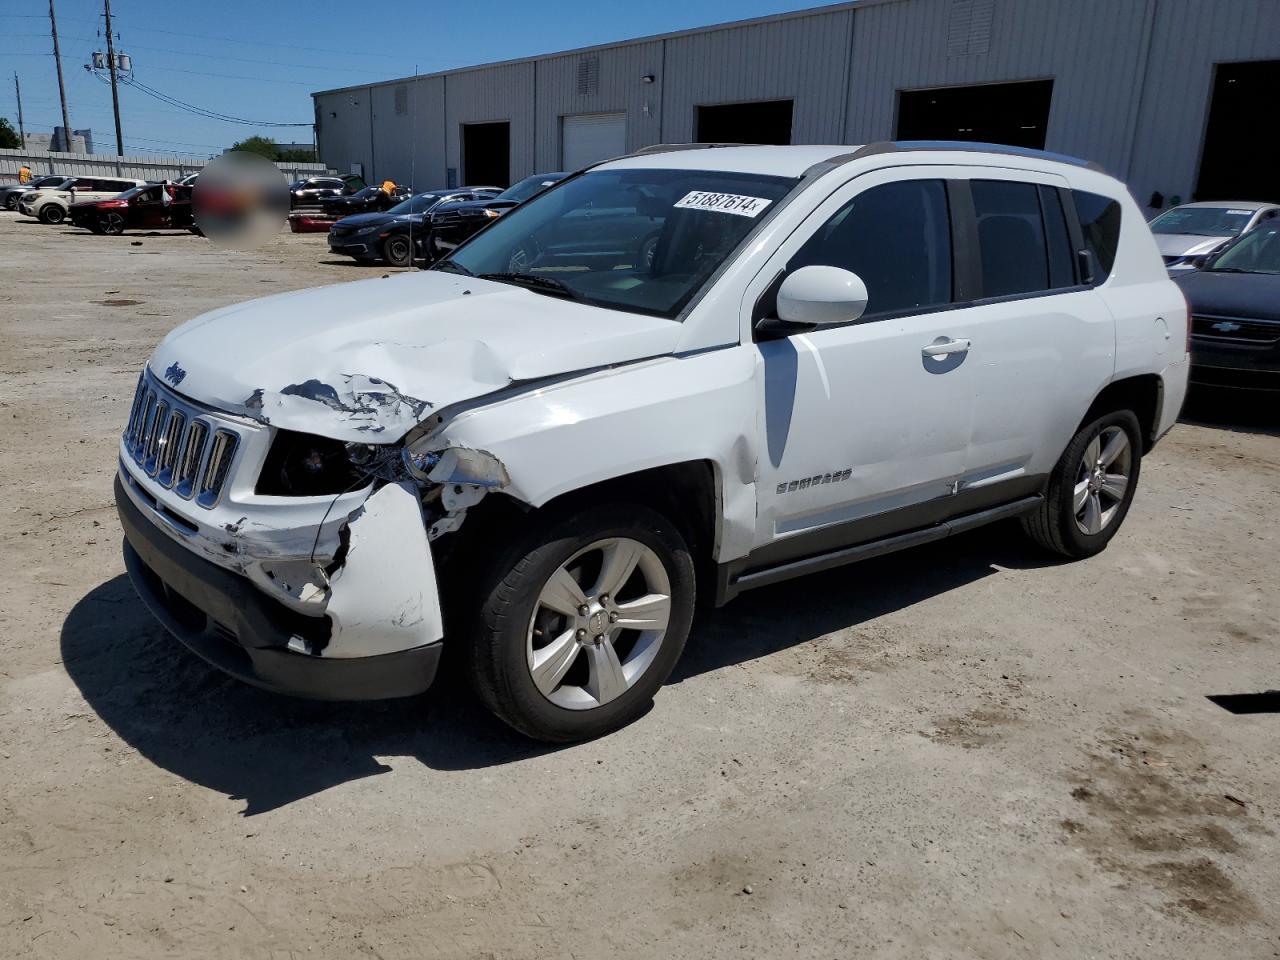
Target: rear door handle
[[945, 346]]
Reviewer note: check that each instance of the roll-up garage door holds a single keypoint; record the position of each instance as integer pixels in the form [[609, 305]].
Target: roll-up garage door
[[592, 137]]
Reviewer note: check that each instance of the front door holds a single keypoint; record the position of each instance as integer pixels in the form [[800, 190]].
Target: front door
[[866, 424]]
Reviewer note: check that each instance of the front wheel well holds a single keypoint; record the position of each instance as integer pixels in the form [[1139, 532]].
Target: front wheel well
[[1143, 394], [684, 493]]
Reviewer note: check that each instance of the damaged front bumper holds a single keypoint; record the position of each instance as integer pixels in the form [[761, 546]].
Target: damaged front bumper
[[325, 597]]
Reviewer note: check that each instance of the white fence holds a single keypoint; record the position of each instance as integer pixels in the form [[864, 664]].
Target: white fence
[[137, 168]]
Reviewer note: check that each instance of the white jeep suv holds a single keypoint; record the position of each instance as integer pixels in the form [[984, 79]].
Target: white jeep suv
[[683, 373], [52, 202]]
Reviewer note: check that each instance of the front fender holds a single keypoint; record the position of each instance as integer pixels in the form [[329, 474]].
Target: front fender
[[616, 422]]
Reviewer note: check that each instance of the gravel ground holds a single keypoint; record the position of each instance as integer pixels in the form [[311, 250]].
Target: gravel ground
[[967, 750]]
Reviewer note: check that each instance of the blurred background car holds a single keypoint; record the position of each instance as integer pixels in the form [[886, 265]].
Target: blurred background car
[[152, 207], [10, 195], [1195, 230], [1235, 313], [455, 222], [367, 200], [398, 235], [312, 191]]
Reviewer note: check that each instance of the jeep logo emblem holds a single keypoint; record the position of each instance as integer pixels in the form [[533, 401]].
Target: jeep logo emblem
[[175, 374]]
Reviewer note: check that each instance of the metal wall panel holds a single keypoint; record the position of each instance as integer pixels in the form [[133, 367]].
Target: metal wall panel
[[161, 167], [1189, 38], [800, 58], [620, 89], [1132, 81], [502, 92], [1090, 48]]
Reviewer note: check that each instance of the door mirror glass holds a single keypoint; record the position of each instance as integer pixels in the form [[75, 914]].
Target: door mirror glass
[[821, 295]]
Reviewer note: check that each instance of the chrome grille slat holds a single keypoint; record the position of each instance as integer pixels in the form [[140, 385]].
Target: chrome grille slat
[[183, 447]]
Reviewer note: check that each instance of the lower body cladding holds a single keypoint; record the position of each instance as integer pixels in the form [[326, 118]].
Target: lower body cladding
[[378, 631]]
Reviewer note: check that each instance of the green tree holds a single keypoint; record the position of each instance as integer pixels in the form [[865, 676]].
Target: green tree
[[259, 145], [9, 139]]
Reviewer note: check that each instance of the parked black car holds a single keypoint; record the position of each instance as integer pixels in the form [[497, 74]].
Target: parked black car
[[368, 200], [10, 194], [401, 233], [455, 222], [1235, 313], [312, 191]]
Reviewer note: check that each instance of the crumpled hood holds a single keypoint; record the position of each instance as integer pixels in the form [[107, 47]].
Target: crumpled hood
[[1186, 244], [367, 361]]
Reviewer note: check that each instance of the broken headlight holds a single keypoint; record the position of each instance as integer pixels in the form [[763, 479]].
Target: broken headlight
[[302, 465]]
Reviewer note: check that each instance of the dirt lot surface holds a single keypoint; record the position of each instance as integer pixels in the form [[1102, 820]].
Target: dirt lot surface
[[962, 751]]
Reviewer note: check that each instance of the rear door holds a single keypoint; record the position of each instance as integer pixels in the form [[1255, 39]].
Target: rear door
[[1043, 341]]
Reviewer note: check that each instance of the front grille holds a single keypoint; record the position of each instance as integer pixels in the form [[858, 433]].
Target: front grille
[[1236, 330], [180, 446]]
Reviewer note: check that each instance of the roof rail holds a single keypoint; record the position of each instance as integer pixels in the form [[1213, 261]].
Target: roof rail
[[967, 146], [673, 147]]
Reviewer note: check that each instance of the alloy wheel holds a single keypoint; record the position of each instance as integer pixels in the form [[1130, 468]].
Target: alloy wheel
[[1102, 480], [598, 623], [113, 224]]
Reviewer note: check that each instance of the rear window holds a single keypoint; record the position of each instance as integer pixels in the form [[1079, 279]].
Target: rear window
[[1100, 224]]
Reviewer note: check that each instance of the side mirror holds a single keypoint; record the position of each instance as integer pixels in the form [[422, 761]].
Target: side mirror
[[820, 296]]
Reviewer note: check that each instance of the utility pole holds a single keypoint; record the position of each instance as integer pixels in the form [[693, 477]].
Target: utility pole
[[22, 130], [62, 90], [115, 93]]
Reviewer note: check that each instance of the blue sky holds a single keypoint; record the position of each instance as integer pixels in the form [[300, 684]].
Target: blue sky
[[261, 60]]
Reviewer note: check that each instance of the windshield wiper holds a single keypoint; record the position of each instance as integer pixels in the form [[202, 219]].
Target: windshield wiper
[[453, 266], [1230, 270], [539, 284]]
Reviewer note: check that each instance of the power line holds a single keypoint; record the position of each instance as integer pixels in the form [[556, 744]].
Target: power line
[[199, 111]]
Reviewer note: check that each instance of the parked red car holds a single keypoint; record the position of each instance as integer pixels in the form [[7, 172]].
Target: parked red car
[[149, 207]]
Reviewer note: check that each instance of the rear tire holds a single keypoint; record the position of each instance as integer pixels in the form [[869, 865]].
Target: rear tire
[[51, 213], [397, 251], [112, 224], [556, 673], [11, 202], [1090, 489]]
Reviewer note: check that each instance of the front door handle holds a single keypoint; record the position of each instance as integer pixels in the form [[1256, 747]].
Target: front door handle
[[945, 346]]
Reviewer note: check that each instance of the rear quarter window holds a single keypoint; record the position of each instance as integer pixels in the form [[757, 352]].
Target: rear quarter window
[[1100, 228]]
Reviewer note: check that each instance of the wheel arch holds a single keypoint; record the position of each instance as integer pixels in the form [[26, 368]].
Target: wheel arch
[[1143, 394]]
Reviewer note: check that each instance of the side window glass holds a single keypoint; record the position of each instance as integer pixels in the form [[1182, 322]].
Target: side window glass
[[1100, 224], [1061, 268], [1010, 238], [85, 184], [897, 238]]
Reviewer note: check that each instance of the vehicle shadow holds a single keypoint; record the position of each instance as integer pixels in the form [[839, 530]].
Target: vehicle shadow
[[765, 621], [265, 749], [270, 750], [349, 262], [1241, 411]]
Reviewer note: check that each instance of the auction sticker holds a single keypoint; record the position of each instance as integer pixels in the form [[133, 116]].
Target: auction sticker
[[723, 203]]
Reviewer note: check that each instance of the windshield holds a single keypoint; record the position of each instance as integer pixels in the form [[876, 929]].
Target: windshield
[[1203, 221], [419, 204], [133, 192], [638, 240], [368, 192], [528, 187], [1257, 252]]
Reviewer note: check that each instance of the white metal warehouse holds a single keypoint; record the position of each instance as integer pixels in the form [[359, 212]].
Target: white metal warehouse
[[1170, 95]]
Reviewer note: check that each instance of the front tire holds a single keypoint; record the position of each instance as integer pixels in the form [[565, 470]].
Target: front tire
[[51, 213], [1090, 489], [398, 251], [582, 620], [11, 202]]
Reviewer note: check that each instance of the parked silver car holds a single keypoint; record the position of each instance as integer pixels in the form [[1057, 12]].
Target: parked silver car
[[1198, 229]]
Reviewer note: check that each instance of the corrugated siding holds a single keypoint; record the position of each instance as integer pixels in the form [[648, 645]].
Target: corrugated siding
[[1132, 81], [1190, 36], [619, 90], [805, 59], [1089, 48], [159, 167], [494, 93]]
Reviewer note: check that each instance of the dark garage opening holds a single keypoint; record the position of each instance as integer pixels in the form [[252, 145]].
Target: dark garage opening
[[764, 121], [1016, 114], [1234, 165], [486, 154]]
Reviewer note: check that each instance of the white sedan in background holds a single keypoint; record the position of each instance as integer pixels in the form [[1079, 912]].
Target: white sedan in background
[[1195, 230]]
